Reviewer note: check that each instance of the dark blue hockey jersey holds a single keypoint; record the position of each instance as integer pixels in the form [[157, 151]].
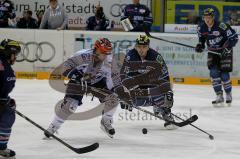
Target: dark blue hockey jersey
[[7, 79], [152, 55], [138, 14], [220, 36]]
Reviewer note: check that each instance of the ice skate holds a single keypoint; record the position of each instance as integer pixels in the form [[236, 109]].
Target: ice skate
[[50, 130], [167, 124], [165, 114], [229, 99], [219, 102], [7, 154], [106, 126]]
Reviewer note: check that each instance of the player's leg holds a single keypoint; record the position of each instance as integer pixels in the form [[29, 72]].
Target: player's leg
[[162, 105], [67, 107], [227, 85], [215, 75], [226, 66], [111, 103], [64, 109], [7, 118]]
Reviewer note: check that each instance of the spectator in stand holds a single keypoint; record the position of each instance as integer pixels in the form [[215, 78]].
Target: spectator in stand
[[27, 21], [234, 17], [99, 21], [139, 15], [6, 12], [54, 17], [39, 15]]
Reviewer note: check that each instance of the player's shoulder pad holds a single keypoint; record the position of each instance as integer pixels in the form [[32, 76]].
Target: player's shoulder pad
[[83, 52], [131, 54], [223, 26], [201, 27], [160, 59]]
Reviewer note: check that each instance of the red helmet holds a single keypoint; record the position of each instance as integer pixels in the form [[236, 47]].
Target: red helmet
[[104, 45]]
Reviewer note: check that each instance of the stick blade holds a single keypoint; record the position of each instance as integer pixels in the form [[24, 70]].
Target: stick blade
[[86, 149]]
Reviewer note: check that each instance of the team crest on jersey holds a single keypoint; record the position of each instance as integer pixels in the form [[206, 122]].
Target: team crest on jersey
[[216, 33], [223, 26], [142, 10]]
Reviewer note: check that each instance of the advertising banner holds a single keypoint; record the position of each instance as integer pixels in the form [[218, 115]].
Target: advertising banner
[[79, 10], [41, 54], [178, 12]]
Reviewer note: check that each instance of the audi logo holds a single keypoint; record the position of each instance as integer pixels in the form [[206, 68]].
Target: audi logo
[[116, 9], [33, 51]]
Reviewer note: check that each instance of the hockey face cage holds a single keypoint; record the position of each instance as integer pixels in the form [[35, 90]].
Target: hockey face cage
[[104, 45]]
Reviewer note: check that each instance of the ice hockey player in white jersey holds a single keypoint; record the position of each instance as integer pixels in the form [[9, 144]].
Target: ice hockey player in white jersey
[[94, 67]]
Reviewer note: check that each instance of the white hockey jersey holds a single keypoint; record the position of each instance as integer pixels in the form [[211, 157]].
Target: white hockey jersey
[[82, 61]]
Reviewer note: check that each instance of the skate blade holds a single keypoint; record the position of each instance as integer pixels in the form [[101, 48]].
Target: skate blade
[[47, 138], [229, 104], [103, 129], [171, 127], [1, 157], [218, 105]]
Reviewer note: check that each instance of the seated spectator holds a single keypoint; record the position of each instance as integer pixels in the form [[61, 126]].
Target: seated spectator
[[27, 21], [39, 14], [6, 12], [54, 17], [234, 17], [139, 15], [99, 21]]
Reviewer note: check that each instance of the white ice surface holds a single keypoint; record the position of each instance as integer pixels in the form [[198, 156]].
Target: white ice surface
[[36, 100]]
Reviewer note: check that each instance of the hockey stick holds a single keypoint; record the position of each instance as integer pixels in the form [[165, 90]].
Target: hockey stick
[[189, 121], [209, 135], [177, 43], [77, 150], [179, 124]]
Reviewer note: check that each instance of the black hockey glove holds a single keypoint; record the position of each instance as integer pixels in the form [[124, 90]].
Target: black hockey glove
[[169, 99], [226, 52], [126, 106], [199, 48], [7, 103], [12, 103]]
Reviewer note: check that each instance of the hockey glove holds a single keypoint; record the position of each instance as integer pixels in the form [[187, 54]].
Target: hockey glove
[[12, 103], [7, 103], [75, 76], [126, 106], [199, 48], [226, 51]]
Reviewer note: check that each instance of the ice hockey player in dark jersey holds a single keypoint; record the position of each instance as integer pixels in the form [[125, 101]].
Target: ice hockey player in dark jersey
[[221, 38], [94, 67], [163, 101], [8, 52], [139, 15]]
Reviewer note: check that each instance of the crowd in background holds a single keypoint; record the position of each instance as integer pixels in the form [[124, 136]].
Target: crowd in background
[[55, 17]]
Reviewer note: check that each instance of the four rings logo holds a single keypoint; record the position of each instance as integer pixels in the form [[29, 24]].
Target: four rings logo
[[33, 51], [116, 9]]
